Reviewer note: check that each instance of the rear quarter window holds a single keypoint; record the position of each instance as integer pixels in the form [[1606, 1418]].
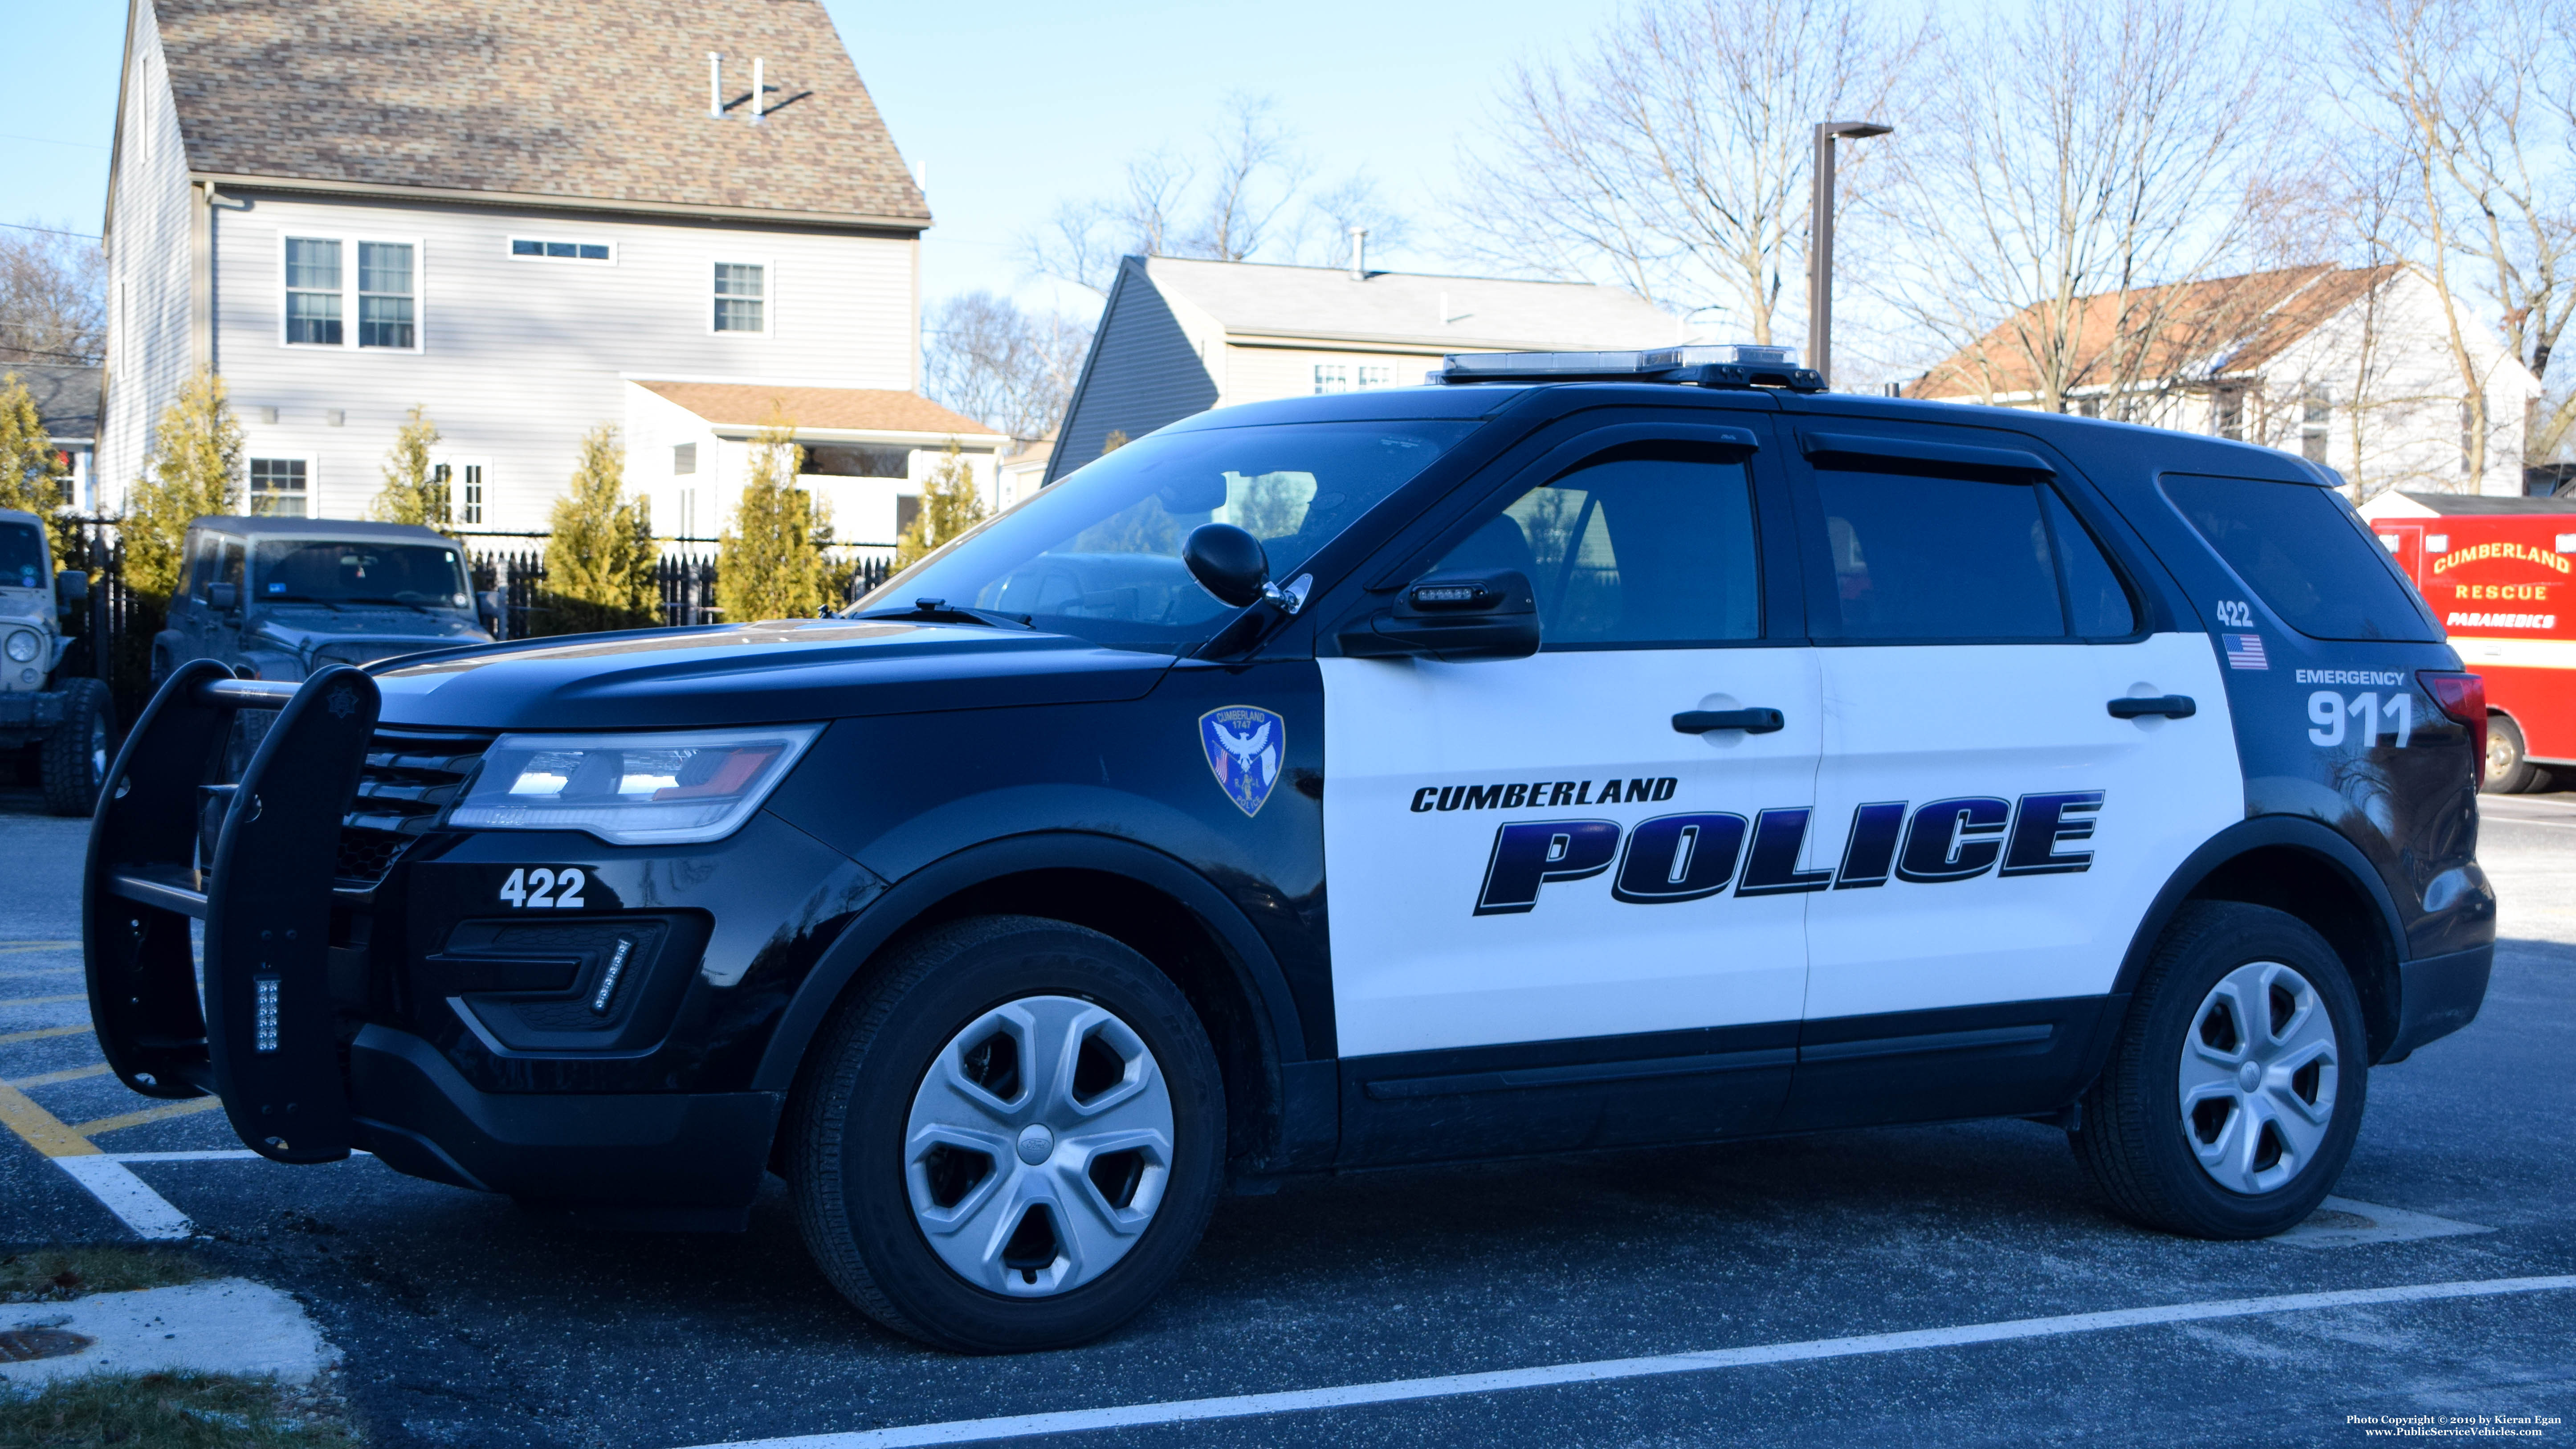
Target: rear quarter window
[[2304, 552]]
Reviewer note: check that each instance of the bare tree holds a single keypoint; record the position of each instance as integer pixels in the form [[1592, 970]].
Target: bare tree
[[53, 296], [1245, 195], [1673, 158], [1007, 368], [2067, 164]]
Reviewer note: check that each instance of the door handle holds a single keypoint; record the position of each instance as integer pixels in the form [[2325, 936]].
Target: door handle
[[1751, 721], [2171, 706]]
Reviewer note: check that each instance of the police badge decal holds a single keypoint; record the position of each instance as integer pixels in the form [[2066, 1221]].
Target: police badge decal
[[1243, 744]]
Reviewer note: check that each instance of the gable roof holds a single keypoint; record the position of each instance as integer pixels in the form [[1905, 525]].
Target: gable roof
[[66, 398], [2220, 327], [836, 409], [597, 101], [1326, 304]]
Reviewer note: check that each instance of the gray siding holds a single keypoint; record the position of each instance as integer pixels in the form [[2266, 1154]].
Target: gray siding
[[147, 263], [1143, 373]]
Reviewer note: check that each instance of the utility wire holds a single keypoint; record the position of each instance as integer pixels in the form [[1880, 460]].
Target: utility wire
[[49, 230]]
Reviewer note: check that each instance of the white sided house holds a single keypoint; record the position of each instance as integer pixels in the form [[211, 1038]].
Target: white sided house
[[865, 453], [1180, 336], [498, 211], [2350, 367]]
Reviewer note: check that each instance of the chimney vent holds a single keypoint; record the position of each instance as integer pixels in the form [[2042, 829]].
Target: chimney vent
[[1359, 254], [715, 85], [759, 91]]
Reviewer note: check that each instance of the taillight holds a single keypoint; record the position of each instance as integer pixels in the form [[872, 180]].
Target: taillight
[[2464, 698]]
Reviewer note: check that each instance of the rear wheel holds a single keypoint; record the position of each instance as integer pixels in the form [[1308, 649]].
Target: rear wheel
[[1012, 1141], [2509, 769], [2234, 1093], [75, 755]]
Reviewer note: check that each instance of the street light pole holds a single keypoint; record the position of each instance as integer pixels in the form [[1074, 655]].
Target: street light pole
[[1820, 243]]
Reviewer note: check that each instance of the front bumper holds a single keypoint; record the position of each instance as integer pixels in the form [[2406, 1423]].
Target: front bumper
[[28, 711]]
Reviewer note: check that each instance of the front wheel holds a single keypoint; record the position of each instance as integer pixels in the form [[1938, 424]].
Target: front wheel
[[75, 755], [1012, 1141], [2234, 1093]]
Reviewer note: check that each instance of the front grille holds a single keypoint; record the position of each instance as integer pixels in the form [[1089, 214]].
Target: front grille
[[410, 778]]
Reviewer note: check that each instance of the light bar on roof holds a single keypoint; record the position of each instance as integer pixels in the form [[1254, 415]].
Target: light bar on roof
[[1735, 364]]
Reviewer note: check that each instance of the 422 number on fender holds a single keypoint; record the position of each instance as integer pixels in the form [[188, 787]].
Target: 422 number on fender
[[542, 888]]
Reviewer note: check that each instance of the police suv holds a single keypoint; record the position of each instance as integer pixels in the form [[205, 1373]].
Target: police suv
[[1585, 751]]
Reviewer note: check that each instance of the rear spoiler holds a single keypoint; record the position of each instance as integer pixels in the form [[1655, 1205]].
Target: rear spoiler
[[261, 1035]]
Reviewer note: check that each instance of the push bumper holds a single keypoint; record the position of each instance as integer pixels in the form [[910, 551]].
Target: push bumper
[[695, 1159], [2437, 995]]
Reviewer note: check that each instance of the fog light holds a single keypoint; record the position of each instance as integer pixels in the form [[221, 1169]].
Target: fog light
[[26, 676]]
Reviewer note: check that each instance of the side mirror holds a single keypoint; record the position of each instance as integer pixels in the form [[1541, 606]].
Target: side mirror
[[224, 598], [1453, 616], [488, 608], [71, 590], [1228, 562]]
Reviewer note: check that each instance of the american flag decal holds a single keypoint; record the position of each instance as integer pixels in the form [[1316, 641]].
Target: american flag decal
[[2244, 651]]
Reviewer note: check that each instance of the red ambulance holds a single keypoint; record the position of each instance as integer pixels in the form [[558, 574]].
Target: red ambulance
[[2500, 574]]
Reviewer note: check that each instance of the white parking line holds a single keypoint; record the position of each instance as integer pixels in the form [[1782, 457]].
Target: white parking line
[[118, 1190], [1244, 1406]]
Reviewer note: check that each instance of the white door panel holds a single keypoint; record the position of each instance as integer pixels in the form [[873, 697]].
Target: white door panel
[[2034, 909], [1556, 953]]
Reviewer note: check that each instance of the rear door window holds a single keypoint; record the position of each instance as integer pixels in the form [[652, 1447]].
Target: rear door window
[[2304, 552], [1919, 557]]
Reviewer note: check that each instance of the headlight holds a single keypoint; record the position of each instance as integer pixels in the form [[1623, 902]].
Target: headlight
[[672, 787], [22, 646]]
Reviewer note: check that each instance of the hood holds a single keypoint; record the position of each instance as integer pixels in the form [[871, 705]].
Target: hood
[[769, 673], [27, 606], [361, 632]]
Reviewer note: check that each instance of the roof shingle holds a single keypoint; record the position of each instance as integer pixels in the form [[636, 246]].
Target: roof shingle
[[576, 100]]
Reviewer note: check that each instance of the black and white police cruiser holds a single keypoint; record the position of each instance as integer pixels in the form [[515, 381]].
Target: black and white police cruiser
[[1584, 751]]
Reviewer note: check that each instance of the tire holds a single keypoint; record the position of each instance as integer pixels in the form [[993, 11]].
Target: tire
[[76, 754], [2146, 1152], [958, 1042], [2509, 768]]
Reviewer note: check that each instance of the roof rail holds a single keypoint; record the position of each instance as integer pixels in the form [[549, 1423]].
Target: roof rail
[[1737, 364]]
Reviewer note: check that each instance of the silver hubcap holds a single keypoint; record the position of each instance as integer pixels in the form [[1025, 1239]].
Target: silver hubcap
[[97, 750], [2258, 1077], [2501, 755], [1038, 1146]]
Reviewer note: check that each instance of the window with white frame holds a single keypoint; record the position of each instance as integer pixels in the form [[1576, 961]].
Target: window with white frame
[[330, 280], [1377, 375], [741, 297], [1332, 377], [548, 249], [280, 487]]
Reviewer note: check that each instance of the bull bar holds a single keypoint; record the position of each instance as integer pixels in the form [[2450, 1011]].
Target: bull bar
[[262, 1033]]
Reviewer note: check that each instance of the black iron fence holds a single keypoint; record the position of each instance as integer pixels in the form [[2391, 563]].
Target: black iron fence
[[113, 636]]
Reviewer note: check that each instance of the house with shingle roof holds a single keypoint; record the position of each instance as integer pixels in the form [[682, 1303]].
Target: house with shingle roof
[[502, 212], [2350, 367], [1180, 335]]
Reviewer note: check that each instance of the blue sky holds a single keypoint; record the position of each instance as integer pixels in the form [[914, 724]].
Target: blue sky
[[1012, 105]]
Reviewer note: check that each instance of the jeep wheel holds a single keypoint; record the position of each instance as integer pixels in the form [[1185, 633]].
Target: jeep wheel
[[1011, 1141], [2509, 769], [2235, 1090], [76, 753]]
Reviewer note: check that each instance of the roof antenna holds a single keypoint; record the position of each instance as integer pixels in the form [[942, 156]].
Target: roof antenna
[[1359, 254], [759, 92], [715, 85]]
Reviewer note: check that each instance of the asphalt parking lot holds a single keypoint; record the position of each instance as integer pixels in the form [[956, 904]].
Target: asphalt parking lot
[[467, 1323]]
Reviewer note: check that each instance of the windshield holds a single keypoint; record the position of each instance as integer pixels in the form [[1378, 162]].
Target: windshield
[[22, 556], [1098, 554], [325, 571]]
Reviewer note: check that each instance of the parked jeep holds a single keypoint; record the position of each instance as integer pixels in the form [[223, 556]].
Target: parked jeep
[[70, 723], [283, 597]]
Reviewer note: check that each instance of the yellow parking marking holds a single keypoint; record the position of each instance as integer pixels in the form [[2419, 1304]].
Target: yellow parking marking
[[162, 1113], [41, 1129], [9, 946], [68, 1074], [8, 1037], [42, 1000]]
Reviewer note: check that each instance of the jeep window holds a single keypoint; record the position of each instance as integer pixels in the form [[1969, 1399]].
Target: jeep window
[[22, 556], [323, 571], [1920, 558], [1631, 551], [2306, 555], [1098, 555]]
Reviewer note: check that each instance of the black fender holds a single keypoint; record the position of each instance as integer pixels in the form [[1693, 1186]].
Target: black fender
[[2295, 832], [904, 902]]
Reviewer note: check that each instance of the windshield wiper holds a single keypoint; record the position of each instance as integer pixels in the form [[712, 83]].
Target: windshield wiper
[[940, 611]]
